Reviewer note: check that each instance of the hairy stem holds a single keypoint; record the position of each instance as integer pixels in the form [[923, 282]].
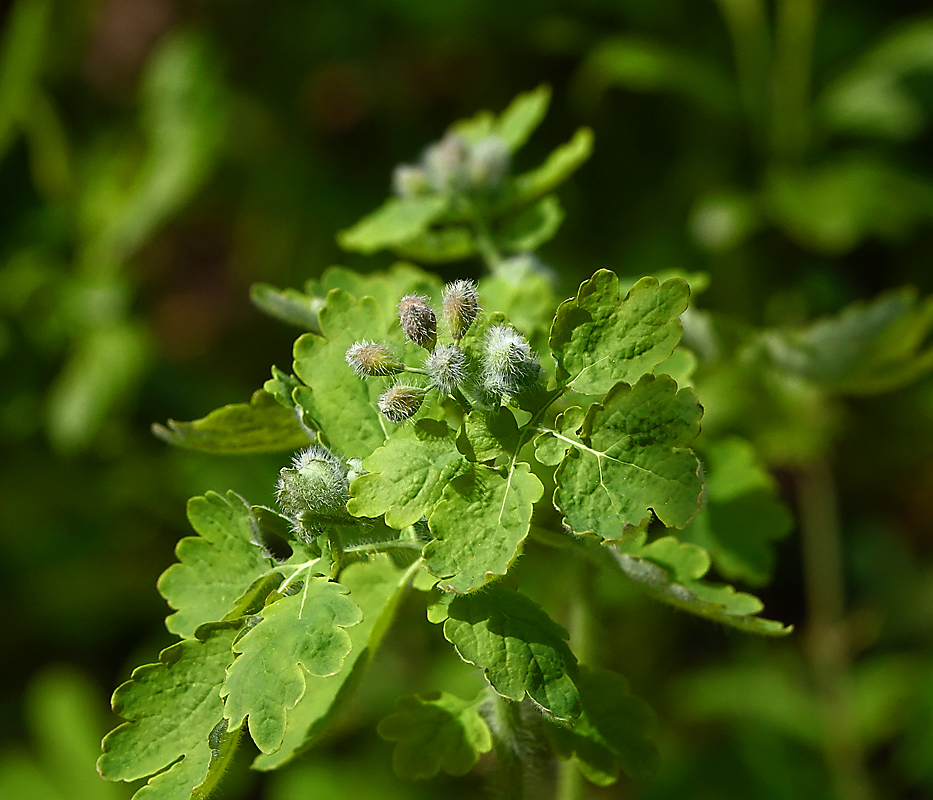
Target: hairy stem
[[384, 547], [220, 761], [507, 722], [827, 646]]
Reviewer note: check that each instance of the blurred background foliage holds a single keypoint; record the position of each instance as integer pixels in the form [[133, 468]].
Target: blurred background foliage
[[157, 157]]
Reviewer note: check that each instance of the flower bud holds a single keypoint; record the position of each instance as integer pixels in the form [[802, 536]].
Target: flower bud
[[447, 164], [401, 402], [489, 162], [447, 367], [418, 321], [369, 359], [461, 305], [314, 491], [509, 365], [410, 181]]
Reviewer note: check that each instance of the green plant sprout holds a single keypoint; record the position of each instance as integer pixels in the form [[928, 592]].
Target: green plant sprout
[[443, 432]]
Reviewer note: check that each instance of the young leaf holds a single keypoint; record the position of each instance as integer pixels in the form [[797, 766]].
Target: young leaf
[[434, 732], [298, 635], [395, 222], [172, 707], [743, 515], [522, 650], [522, 116], [488, 433], [261, 426], [216, 567], [405, 478], [560, 165], [600, 338], [613, 731], [376, 586], [633, 458], [480, 525]]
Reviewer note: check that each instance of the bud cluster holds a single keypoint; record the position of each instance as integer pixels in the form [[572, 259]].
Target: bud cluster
[[509, 364], [313, 492], [455, 165]]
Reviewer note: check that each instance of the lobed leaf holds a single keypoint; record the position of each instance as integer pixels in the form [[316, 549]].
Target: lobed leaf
[[216, 567], [406, 476], [395, 222], [551, 450], [298, 635], [520, 648], [434, 732], [171, 707], [632, 457], [263, 425], [488, 433], [480, 524], [599, 338], [376, 586], [613, 731]]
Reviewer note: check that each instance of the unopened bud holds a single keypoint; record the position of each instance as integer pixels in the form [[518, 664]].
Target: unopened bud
[[509, 364], [314, 490], [489, 162], [410, 181], [447, 367], [461, 305], [401, 402], [418, 321], [447, 163], [369, 359]]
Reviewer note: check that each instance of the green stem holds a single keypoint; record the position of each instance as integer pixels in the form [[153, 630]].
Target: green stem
[[795, 28], [220, 761], [509, 777], [384, 547], [485, 243], [827, 644]]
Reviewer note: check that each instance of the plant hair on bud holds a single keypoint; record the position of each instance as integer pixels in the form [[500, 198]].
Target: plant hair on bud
[[447, 163], [370, 359], [509, 364], [401, 402], [489, 162], [447, 367], [461, 307], [418, 320], [314, 490]]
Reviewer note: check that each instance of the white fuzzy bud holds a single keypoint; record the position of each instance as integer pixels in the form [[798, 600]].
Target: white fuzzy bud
[[369, 359], [489, 162], [418, 321], [461, 306], [410, 181], [447, 367], [447, 163], [314, 491], [401, 402], [509, 364]]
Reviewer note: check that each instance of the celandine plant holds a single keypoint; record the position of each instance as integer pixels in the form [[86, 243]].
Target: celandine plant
[[442, 431]]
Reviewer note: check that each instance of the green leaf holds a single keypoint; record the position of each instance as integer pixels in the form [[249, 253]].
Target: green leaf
[[613, 732], [298, 635], [522, 650], [216, 567], [263, 425], [867, 348], [480, 525], [488, 433], [407, 475], [172, 707], [560, 165], [550, 450], [532, 227], [340, 402], [717, 602], [600, 338], [522, 116], [434, 732], [632, 456], [376, 586], [743, 514], [439, 245], [525, 294], [393, 223], [287, 305]]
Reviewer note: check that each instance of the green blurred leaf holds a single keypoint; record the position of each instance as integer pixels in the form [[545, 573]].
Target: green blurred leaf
[[522, 116], [216, 567], [480, 524], [261, 426], [394, 223], [298, 635], [22, 54], [558, 167], [522, 650], [172, 707], [433, 732], [406, 477], [521, 290], [288, 305], [632, 456], [531, 227], [600, 338], [613, 732]]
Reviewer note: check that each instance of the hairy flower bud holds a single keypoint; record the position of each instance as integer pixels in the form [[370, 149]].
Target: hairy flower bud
[[447, 367], [410, 181], [461, 305], [509, 364], [401, 402], [489, 162], [314, 491], [418, 321], [447, 163], [372, 358]]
